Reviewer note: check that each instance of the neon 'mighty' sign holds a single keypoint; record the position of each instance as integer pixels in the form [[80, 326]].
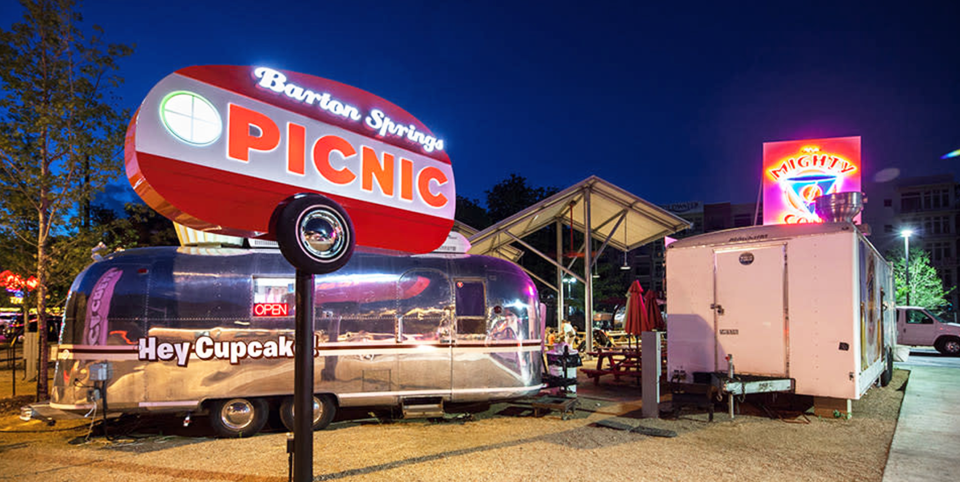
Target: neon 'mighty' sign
[[795, 173]]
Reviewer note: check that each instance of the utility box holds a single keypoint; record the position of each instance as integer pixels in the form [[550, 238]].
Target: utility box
[[31, 355], [813, 303]]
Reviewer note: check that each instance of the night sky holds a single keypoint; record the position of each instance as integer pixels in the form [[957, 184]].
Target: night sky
[[671, 102]]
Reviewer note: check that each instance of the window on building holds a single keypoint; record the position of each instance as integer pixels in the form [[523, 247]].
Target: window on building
[[935, 199], [939, 251], [887, 228], [910, 202], [888, 203]]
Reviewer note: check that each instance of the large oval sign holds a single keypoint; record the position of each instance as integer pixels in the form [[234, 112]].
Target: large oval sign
[[218, 148]]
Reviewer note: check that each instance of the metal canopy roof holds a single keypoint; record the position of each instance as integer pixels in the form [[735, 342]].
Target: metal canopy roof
[[593, 206], [632, 221]]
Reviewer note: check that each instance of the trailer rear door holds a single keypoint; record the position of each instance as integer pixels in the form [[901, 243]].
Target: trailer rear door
[[424, 302], [749, 309]]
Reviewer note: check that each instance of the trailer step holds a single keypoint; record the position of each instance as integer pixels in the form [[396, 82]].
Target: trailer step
[[422, 407]]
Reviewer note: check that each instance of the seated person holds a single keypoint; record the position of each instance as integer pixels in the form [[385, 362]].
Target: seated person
[[506, 328]]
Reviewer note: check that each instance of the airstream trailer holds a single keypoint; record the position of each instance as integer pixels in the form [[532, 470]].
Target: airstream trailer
[[210, 330]]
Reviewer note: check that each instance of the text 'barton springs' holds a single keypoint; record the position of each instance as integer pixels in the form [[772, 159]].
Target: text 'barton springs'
[[206, 348]]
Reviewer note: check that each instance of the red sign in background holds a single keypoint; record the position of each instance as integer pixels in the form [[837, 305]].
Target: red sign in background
[[217, 148]]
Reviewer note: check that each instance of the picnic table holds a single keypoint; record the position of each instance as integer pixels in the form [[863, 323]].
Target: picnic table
[[619, 362]]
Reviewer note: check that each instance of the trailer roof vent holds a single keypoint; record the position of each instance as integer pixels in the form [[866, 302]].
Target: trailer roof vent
[[839, 207]]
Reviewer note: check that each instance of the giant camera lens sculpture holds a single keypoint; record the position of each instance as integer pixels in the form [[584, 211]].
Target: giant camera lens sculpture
[[314, 233], [262, 153]]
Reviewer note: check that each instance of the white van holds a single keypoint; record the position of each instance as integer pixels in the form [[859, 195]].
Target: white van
[[918, 327]]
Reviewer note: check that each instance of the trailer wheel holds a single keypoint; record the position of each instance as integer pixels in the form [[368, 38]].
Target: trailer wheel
[[948, 346], [887, 374], [324, 410], [238, 417], [315, 234]]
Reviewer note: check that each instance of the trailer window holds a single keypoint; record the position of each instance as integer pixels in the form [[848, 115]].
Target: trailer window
[[205, 300], [470, 299], [273, 297], [121, 321], [423, 301], [353, 322], [471, 310], [356, 308], [272, 290]]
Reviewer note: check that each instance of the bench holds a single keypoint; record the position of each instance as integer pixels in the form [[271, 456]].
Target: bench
[[596, 374]]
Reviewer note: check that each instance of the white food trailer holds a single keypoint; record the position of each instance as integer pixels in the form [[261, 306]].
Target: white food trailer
[[805, 308]]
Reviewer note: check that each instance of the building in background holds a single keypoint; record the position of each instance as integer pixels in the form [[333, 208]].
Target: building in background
[[930, 206]]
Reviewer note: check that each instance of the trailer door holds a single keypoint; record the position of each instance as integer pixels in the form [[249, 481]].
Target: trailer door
[[425, 302], [749, 309]]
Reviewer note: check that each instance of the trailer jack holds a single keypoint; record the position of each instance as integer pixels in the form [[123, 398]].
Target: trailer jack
[[733, 385]]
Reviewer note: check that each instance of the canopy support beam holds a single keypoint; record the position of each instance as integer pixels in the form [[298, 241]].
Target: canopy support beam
[[588, 269]]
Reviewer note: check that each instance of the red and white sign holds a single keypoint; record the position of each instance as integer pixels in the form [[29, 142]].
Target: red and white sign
[[795, 173], [217, 148], [270, 309]]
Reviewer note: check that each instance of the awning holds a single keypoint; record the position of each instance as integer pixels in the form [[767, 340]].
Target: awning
[[594, 207], [642, 222]]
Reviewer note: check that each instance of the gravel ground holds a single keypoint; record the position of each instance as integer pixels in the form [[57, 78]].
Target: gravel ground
[[504, 443]]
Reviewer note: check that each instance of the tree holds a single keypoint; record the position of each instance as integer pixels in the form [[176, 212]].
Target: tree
[[513, 195], [60, 135], [471, 213], [926, 287]]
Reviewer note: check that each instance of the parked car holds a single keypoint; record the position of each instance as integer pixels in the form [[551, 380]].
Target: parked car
[[7, 319], [14, 330], [918, 327]]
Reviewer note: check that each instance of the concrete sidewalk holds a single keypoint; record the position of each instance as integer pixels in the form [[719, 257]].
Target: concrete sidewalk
[[926, 445]]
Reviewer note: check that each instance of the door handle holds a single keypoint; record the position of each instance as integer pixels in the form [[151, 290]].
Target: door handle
[[718, 308]]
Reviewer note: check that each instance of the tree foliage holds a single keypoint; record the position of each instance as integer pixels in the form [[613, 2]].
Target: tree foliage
[[471, 213], [513, 195], [60, 134], [926, 287]]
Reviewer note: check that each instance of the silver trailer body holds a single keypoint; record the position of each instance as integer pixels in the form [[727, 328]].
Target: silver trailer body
[[174, 329]]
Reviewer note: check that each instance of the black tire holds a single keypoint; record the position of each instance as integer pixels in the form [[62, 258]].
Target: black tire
[[238, 417], [333, 234], [324, 409], [949, 346], [887, 374]]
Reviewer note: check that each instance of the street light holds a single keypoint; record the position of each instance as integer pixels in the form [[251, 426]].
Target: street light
[[906, 233]]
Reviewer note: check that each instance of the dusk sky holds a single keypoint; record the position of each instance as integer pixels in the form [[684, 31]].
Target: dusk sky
[[671, 102]]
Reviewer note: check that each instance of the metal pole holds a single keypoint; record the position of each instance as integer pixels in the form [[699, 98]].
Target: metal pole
[[730, 374], [303, 380], [13, 368], [560, 284], [906, 250], [588, 269]]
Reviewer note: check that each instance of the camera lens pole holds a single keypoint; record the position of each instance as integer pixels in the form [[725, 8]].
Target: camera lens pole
[[303, 380]]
